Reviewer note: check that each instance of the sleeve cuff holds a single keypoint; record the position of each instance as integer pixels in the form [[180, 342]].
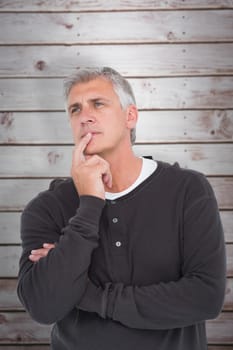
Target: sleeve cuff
[[95, 299]]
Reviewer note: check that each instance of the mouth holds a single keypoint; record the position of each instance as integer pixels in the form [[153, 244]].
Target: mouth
[[93, 133]]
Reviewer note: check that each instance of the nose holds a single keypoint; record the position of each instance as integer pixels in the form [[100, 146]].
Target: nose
[[87, 116]]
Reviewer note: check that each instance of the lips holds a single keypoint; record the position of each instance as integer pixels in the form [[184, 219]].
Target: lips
[[93, 133]]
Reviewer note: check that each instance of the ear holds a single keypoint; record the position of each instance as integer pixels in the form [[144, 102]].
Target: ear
[[132, 116]]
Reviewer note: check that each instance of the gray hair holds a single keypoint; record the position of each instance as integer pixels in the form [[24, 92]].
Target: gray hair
[[120, 85]]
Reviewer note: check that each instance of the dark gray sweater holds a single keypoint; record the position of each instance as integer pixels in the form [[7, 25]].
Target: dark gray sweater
[[142, 272]]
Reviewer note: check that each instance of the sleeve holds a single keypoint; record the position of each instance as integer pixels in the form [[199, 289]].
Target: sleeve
[[197, 296], [51, 287]]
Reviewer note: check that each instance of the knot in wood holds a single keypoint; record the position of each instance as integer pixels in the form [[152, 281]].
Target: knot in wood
[[40, 65]]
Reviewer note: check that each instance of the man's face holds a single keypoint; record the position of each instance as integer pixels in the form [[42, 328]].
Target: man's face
[[94, 108]]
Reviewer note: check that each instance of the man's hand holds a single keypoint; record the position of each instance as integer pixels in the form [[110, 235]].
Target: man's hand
[[90, 173], [37, 254]]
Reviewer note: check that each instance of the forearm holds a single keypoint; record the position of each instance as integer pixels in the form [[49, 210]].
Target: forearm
[[169, 305], [51, 287], [166, 305]]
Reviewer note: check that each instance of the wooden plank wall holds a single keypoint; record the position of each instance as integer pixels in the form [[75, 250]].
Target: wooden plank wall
[[178, 55]]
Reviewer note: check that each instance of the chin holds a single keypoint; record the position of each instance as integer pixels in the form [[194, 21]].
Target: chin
[[91, 150]]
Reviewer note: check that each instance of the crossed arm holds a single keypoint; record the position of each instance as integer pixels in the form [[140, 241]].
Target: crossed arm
[[198, 295]]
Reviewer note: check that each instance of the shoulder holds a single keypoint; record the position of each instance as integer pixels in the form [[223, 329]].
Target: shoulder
[[58, 187], [189, 181], [60, 193]]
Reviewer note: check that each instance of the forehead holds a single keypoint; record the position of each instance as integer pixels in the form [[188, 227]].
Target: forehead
[[98, 87]]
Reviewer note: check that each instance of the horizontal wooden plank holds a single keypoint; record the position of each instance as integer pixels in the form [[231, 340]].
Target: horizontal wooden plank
[[8, 296], [197, 93], [210, 347], [228, 302], [142, 60], [100, 5], [9, 299], [52, 161], [152, 26], [45, 127], [220, 330], [10, 227], [9, 260], [153, 126], [18, 327], [227, 222], [223, 188], [184, 126], [26, 189], [47, 347]]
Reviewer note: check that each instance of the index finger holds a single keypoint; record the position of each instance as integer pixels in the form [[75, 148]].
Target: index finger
[[80, 148]]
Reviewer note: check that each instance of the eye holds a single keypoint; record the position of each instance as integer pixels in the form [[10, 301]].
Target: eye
[[98, 104], [75, 109]]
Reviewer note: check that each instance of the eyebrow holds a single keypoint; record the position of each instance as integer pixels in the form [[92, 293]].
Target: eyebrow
[[78, 104]]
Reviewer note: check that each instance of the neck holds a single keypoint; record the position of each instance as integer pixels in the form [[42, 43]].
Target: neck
[[125, 169]]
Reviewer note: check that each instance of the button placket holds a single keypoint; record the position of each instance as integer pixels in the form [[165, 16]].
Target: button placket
[[118, 244], [116, 230]]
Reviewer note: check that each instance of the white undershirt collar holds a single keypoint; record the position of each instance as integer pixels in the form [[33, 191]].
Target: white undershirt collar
[[148, 167]]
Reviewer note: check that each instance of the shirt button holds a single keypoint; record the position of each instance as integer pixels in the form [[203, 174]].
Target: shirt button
[[113, 202], [118, 244], [114, 220]]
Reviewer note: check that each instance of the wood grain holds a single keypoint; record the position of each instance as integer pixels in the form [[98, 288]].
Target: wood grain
[[20, 328], [52, 161], [223, 188], [152, 26], [151, 93], [178, 126], [105, 5], [25, 190], [215, 347], [10, 228], [47, 347], [227, 221], [146, 60], [228, 303], [8, 296], [220, 330]]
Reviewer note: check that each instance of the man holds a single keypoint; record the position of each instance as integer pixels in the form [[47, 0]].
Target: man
[[128, 253]]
